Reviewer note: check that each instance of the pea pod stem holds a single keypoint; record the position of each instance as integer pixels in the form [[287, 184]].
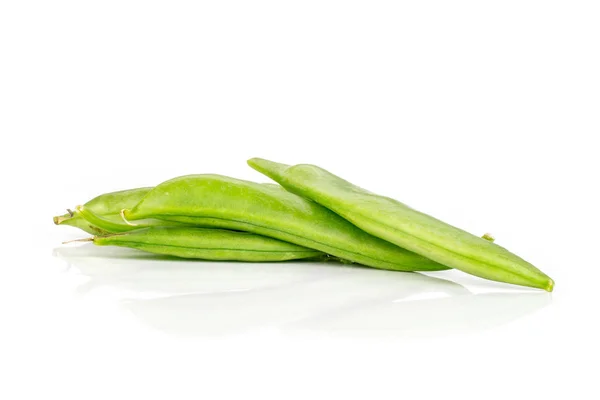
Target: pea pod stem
[[90, 239], [60, 219]]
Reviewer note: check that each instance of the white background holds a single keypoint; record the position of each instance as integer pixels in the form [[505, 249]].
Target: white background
[[484, 114]]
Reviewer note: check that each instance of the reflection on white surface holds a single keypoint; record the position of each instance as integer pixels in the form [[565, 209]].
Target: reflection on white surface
[[214, 298]]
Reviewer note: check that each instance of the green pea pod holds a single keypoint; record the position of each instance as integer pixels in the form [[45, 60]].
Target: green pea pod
[[269, 210], [207, 244], [107, 206], [397, 223]]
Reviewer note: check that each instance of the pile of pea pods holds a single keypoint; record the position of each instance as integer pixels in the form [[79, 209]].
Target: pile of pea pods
[[309, 214]]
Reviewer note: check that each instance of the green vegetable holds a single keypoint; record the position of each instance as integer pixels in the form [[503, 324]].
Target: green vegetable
[[269, 210], [106, 206], [207, 244], [397, 223]]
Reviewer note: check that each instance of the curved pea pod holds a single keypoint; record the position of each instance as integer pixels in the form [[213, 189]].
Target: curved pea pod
[[207, 244], [269, 210], [397, 223], [107, 206]]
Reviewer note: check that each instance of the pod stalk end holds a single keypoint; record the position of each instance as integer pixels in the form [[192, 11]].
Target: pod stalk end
[[59, 219], [90, 239]]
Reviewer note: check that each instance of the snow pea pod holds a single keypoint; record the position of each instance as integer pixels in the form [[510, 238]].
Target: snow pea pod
[[397, 223], [107, 206], [269, 210], [207, 244]]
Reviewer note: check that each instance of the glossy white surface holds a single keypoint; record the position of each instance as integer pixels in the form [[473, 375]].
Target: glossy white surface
[[205, 299], [484, 115], [78, 315]]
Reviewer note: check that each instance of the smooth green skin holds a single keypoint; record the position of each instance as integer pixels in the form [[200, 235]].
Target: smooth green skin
[[269, 210], [397, 223], [108, 225], [208, 244], [107, 206], [109, 203]]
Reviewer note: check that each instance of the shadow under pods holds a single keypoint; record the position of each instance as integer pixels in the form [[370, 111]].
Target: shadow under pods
[[195, 298]]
